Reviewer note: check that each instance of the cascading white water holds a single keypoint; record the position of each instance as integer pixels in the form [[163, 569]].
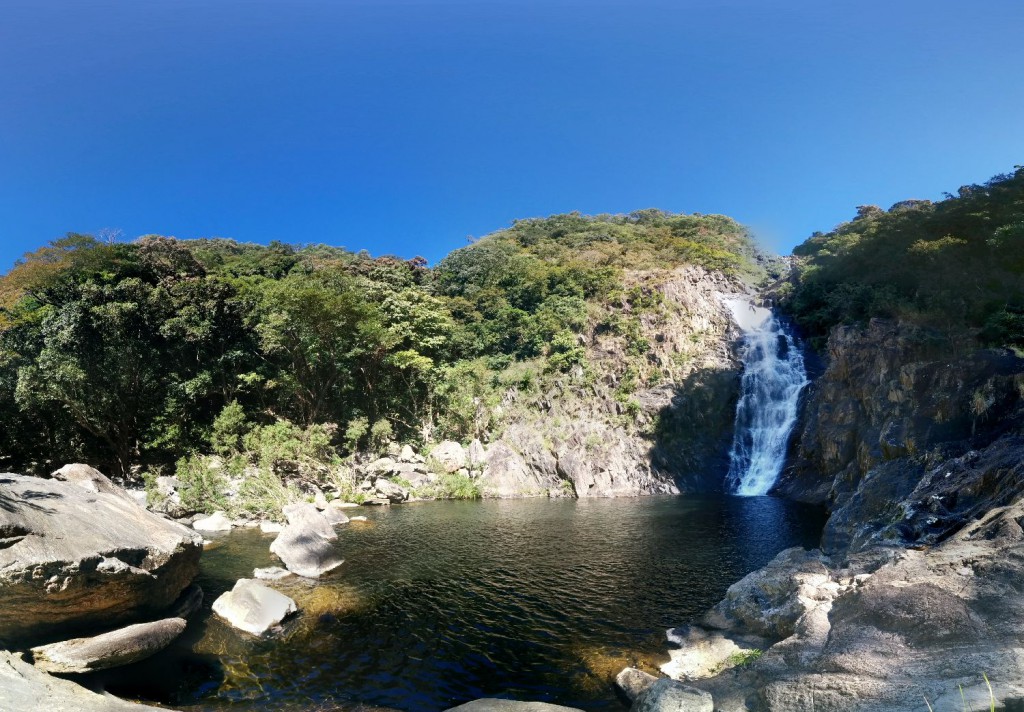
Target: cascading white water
[[773, 376]]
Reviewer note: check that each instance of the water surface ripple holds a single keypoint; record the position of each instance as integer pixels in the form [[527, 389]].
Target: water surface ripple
[[439, 603]]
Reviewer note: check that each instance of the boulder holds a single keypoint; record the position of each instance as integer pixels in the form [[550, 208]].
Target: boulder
[[271, 527], [407, 455], [24, 688], [119, 647], [167, 500], [306, 545], [449, 455], [72, 559], [334, 516], [252, 607], [670, 696], [381, 466], [386, 489], [633, 682], [476, 454], [496, 705], [216, 522]]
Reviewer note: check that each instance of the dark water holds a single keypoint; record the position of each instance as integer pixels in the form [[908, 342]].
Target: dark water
[[439, 603]]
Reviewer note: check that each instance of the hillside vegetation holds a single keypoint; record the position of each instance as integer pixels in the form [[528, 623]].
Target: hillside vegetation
[[135, 356], [956, 265]]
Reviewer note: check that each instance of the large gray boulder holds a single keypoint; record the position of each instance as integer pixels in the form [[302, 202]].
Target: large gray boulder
[[24, 688], [77, 557], [670, 696], [119, 647], [390, 491], [307, 543], [253, 607], [495, 705], [449, 455]]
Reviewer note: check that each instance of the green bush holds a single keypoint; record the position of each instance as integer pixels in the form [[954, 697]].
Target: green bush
[[451, 486], [229, 428], [201, 488]]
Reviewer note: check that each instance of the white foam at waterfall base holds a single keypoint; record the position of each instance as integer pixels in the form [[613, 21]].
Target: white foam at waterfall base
[[773, 376]]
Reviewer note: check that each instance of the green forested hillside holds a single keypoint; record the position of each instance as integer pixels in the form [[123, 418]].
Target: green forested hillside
[[956, 264], [134, 355]]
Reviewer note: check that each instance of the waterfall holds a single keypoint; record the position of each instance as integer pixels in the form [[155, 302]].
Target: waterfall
[[773, 376]]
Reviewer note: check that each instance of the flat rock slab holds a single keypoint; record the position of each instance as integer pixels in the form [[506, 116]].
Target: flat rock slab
[[24, 688], [253, 607], [76, 558], [120, 647], [495, 705]]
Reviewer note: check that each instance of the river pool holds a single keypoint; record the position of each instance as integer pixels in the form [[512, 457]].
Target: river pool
[[439, 603]]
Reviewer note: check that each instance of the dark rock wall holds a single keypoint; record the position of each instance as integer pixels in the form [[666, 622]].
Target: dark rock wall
[[906, 433]]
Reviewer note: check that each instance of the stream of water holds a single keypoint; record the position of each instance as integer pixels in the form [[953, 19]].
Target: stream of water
[[439, 603], [773, 377]]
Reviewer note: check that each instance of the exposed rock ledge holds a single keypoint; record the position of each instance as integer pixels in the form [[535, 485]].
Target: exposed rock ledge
[[80, 555], [23, 688], [883, 629]]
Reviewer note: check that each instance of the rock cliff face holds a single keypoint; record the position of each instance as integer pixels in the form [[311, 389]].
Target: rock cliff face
[[659, 423], [914, 442], [906, 435]]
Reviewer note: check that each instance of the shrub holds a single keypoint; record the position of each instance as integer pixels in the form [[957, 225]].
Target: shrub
[[201, 488]]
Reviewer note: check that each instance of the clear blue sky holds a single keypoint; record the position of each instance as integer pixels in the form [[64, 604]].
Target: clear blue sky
[[404, 127]]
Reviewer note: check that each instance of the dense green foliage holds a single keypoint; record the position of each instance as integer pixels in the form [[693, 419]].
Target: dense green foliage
[[138, 356], [957, 265]]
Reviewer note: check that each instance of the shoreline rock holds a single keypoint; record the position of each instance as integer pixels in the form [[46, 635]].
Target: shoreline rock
[[114, 649], [25, 688], [74, 559]]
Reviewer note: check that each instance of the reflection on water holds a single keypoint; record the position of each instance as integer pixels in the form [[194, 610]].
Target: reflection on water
[[442, 602]]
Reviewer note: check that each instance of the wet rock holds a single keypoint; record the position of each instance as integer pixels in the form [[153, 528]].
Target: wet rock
[[119, 647], [272, 573], [24, 688], [449, 455], [190, 601], [495, 705], [253, 607], [216, 522], [670, 696], [73, 559], [633, 682], [306, 545], [376, 502]]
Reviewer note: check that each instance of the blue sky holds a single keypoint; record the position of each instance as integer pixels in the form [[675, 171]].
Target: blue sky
[[404, 127]]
